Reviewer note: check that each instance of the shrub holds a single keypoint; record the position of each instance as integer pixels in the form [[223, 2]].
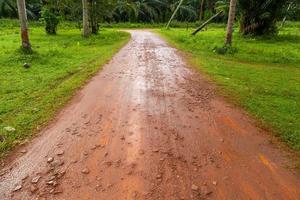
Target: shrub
[[50, 19]]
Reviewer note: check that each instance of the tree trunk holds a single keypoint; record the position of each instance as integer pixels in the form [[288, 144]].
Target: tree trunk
[[230, 23], [201, 16], [85, 18], [174, 13], [284, 19], [23, 24], [206, 23]]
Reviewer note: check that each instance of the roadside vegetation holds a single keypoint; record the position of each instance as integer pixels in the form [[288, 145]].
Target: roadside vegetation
[[263, 75], [58, 66]]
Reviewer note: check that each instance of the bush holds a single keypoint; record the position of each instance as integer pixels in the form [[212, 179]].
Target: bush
[[51, 21]]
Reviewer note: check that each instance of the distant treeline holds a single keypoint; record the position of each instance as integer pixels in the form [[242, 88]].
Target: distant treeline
[[151, 11]]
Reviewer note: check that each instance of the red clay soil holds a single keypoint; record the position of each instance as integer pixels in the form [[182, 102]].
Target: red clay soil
[[149, 127]]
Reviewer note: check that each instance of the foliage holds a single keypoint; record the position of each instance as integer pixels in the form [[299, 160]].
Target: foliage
[[263, 76], [57, 65], [50, 19], [259, 17]]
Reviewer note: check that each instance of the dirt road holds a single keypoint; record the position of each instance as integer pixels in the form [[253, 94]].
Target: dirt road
[[149, 127]]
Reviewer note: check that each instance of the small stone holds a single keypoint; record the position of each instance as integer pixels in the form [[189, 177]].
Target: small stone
[[221, 140], [155, 150], [57, 191], [195, 187], [23, 151], [50, 182], [122, 137], [214, 183], [50, 160], [57, 163], [60, 152], [85, 171], [35, 179], [51, 178], [17, 188], [25, 177], [26, 65]]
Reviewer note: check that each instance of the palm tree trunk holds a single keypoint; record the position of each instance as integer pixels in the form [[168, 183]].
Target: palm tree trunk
[[201, 15], [206, 23], [230, 23], [85, 16], [174, 13], [23, 24]]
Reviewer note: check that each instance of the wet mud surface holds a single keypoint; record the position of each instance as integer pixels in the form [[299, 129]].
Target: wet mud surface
[[149, 127]]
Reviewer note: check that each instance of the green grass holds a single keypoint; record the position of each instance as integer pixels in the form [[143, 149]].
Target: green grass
[[60, 64], [263, 76]]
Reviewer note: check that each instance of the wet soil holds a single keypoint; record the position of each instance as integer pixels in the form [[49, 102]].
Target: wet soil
[[149, 127]]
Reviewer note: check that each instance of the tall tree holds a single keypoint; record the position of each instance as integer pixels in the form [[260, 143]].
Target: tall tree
[[230, 23], [85, 16], [174, 13], [24, 25], [202, 6]]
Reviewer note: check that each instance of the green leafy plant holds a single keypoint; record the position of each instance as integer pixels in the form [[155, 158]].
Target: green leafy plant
[[50, 19]]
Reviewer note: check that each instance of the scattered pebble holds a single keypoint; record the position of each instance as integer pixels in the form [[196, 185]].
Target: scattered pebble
[[50, 160], [23, 151], [195, 187], [60, 152], [17, 188], [85, 171], [35, 179]]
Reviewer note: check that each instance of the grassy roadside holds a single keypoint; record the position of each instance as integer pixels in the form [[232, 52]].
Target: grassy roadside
[[60, 65], [263, 76]]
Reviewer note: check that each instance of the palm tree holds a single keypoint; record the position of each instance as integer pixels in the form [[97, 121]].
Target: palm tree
[[85, 14], [230, 23], [202, 5], [174, 13], [23, 23]]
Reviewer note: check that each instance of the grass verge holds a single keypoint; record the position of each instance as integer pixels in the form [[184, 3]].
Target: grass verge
[[263, 76], [60, 64]]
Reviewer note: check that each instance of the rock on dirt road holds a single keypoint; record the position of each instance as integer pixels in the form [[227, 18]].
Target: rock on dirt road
[[149, 127]]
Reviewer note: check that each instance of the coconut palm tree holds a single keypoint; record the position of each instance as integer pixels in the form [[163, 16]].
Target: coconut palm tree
[[24, 24], [230, 23], [85, 16]]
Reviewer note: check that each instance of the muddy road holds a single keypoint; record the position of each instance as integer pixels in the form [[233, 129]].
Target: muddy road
[[149, 127]]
